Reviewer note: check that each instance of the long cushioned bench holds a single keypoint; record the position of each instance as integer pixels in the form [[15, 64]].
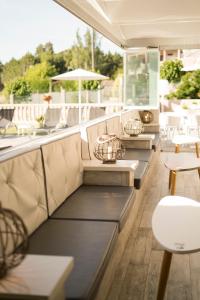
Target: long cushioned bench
[[44, 185]]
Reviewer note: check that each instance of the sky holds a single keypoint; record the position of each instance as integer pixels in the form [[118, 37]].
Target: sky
[[27, 23]]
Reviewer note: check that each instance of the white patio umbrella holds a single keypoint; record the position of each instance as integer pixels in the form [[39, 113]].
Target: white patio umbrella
[[79, 74]]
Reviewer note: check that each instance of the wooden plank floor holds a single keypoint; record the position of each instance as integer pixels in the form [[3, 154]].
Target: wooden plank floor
[[137, 275]]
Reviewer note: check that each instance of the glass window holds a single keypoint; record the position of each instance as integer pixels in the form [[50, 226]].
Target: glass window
[[141, 77]]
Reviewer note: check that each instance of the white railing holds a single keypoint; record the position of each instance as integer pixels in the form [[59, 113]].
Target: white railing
[[29, 112]]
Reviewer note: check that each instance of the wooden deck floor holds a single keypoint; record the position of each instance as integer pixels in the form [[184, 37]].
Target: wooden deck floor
[[137, 275]]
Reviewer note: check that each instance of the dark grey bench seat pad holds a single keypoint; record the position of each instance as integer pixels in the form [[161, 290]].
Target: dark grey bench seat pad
[[99, 203], [138, 154], [90, 243], [140, 174]]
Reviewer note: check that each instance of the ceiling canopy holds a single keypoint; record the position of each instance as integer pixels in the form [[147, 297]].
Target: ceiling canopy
[[142, 23]]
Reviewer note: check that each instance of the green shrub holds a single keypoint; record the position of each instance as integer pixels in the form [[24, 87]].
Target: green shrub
[[20, 87], [170, 70], [189, 87]]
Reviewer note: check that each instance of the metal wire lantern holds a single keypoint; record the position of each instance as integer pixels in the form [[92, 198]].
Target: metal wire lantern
[[108, 148], [133, 127], [13, 233], [146, 116]]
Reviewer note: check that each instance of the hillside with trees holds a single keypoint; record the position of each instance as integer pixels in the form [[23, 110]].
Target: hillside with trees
[[32, 72]]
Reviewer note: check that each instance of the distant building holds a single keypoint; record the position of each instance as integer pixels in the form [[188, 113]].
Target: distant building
[[171, 54]]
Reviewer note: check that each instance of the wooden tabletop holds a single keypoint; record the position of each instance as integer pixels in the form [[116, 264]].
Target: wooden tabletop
[[120, 165], [182, 162], [176, 224], [185, 139], [140, 137], [37, 277]]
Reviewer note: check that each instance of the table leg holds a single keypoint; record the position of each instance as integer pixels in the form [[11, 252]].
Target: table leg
[[173, 182], [177, 148], [197, 149], [167, 257], [170, 179]]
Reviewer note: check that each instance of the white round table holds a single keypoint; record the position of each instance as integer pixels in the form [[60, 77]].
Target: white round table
[[179, 163], [175, 225], [179, 140]]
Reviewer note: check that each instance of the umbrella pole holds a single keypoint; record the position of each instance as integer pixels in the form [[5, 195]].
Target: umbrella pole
[[79, 101]]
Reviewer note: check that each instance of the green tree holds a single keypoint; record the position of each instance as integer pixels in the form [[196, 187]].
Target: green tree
[[171, 70], [16, 68], [91, 84], [19, 87], [189, 87], [80, 54], [39, 75], [59, 63], [110, 64], [45, 53], [11, 71], [26, 61]]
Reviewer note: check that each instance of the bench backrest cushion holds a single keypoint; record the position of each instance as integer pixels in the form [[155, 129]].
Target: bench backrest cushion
[[63, 169], [89, 136], [129, 114], [113, 125], [22, 187]]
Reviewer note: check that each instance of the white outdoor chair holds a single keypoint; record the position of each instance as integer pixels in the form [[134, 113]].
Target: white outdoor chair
[[6, 117], [193, 122], [51, 121], [52, 118], [197, 124], [174, 125]]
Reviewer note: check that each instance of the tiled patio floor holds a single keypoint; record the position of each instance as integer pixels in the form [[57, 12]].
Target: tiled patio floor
[[137, 275]]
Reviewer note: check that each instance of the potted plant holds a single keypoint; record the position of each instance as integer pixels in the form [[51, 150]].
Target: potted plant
[[40, 121], [47, 98]]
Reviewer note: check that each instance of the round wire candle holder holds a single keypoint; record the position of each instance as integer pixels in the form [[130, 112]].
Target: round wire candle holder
[[108, 148], [13, 240], [133, 127]]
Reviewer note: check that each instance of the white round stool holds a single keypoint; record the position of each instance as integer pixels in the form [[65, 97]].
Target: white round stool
[[176, 226], [180, 163]]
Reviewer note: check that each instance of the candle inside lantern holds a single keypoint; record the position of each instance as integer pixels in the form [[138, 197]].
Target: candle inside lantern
[[109, 152]]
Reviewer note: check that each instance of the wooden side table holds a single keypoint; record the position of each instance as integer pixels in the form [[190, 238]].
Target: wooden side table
[[142, 141], [179, 140], [180, 163], [38, 277], [119, 173], [175, 225]]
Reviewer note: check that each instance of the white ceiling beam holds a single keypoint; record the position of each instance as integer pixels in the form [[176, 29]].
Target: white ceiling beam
[[165, 43], [167, 24]]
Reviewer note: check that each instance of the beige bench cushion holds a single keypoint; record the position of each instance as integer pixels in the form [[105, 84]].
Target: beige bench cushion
[[129, 114], [22, 187], [89, 136], [113, 125], [63, 169]]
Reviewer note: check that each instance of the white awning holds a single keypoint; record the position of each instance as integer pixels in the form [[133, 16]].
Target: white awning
[[142, 23]]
